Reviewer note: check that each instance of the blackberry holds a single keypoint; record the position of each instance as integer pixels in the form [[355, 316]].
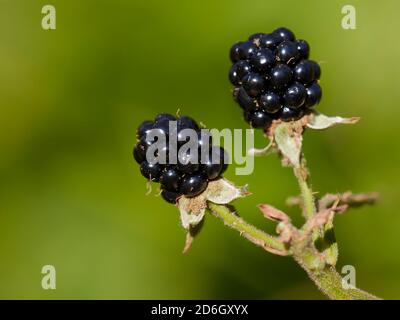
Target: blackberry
[[244, 100], [254, 84], [314, 94], [258, 119], [270, 41], [193, 185], [170, 196], [281, 76], [287, 52], [170, 179], [182, 174], [303, 48], [270, 102], [274, 78], [295, 95], [144, 128], [304, 72], [238, 71], [289, 114], [247, 50], [285, 34], [151, 171], [263, 60]]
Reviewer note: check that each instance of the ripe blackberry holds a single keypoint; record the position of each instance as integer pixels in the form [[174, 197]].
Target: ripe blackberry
[[270, 102], [183, 174], [254, 84], [273, 77], [258, 119], [238, 71], [193, 185], [295, 95], [170, 196]]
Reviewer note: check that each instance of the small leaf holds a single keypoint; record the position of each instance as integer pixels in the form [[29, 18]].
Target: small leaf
[[320, 121], [288, 137], [223, 192]]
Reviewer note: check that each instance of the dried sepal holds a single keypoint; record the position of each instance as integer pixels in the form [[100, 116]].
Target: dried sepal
[[320, 121], [222, 191], [273, 214], [288, 137], [270, 148], [192, 210]]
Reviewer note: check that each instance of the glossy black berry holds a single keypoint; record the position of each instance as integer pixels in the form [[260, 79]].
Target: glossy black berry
[[182, 168], [144, 128], [170, 179], [289, 114], [258, 119], [255, 37], [287, 52], [244, 100], [317, 70], [187, 123], [304, 72], [151, 171], [164, 117], [270, 102], [139, 153], [270, 41], [263, 60], [170, 196], [303, 48], [234, 53], [314, 94], [212, 170], [285, 34], [193, 185], [254, 84], [238, 71], [295, 95], [188, 162], [218, 155], [247, 50], [279, 82], [281, 76]]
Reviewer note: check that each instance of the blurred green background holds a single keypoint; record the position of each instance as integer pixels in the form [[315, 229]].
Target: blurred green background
[[71, 99]]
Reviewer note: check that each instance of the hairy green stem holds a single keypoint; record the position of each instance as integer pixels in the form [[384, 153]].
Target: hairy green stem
[[309, 208], [328, 279], [329, 282], [251, 233]]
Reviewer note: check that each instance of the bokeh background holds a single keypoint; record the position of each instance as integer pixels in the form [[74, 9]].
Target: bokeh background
[[71, 99]]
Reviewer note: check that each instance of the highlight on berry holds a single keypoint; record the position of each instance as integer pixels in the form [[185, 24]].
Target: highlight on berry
[[184, 173], [274, 78]]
